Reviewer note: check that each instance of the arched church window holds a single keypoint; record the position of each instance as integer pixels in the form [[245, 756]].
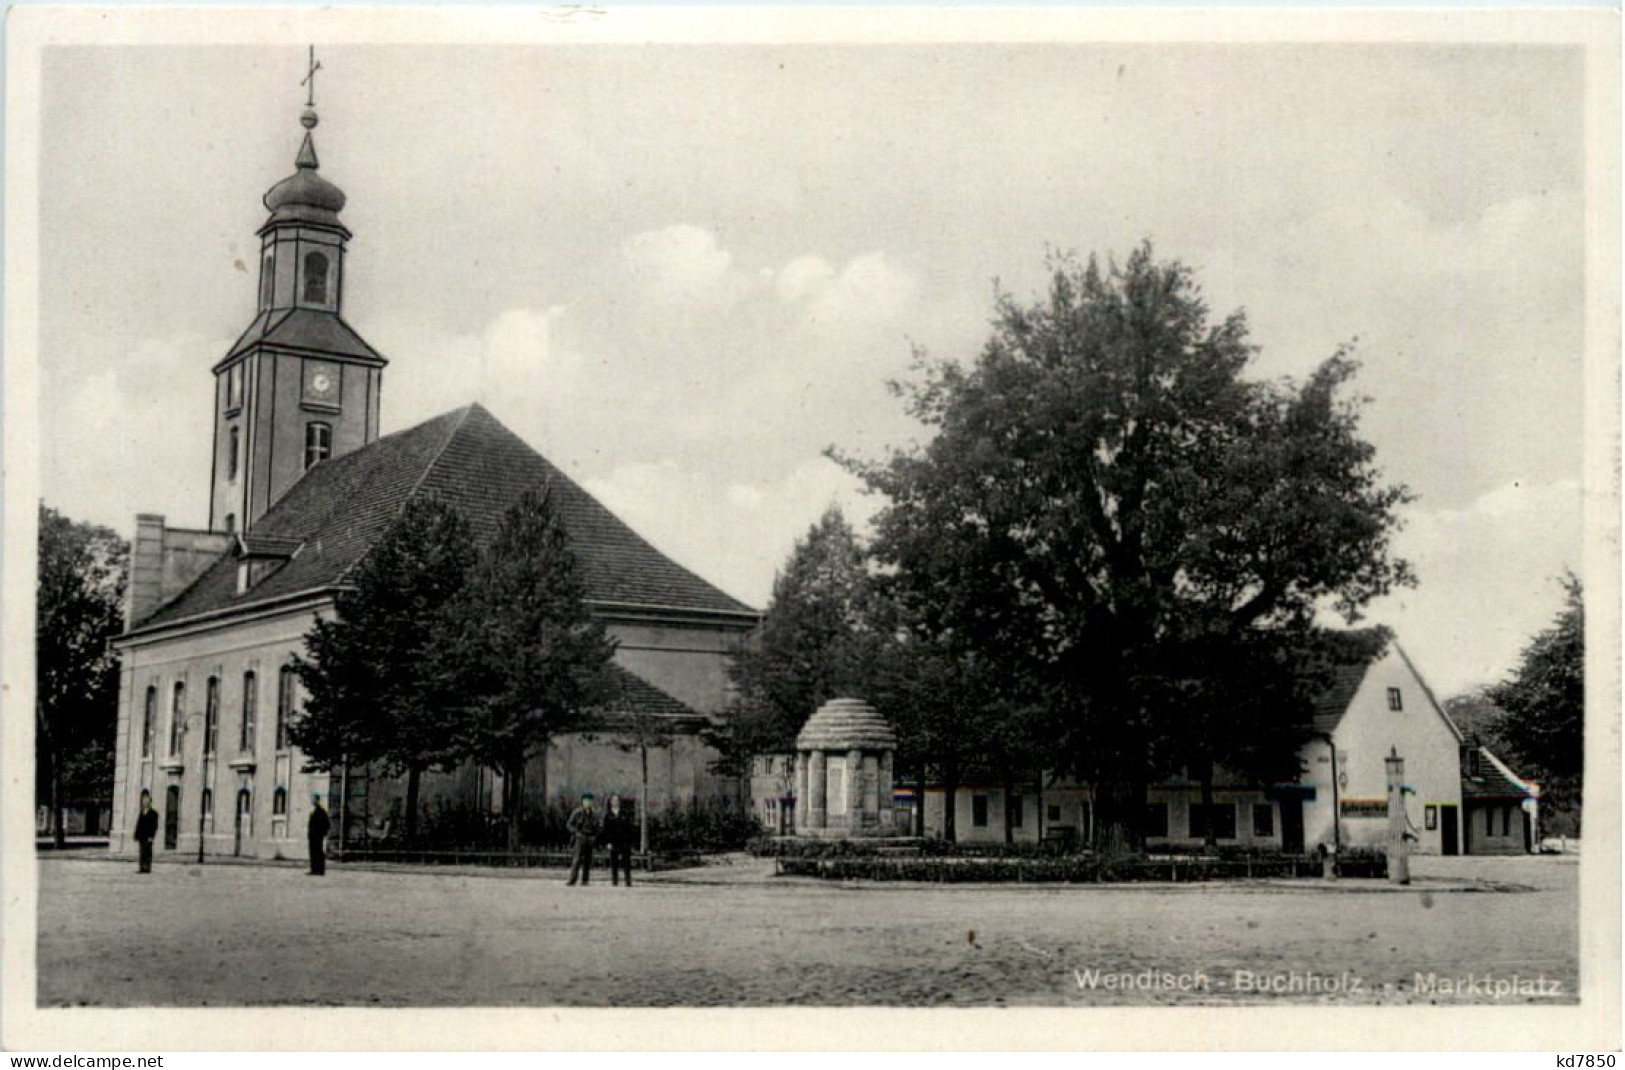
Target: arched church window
[[250, 712], [177, 719], [211, 715], [208, 804], [315, 278], [233, 451], [284, 706], [279, 802], [149, 714], [318, 443], [267, 280]]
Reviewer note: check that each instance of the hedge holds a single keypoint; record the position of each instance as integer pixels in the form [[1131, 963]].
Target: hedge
[[1072, 869]]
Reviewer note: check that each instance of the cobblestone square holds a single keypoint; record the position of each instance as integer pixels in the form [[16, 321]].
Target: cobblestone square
[[235, 935]]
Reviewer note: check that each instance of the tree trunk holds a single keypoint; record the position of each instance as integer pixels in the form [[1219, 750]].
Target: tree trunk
[[919, 801], [1119, 815], [643, 801], [950, 797], [1009, 811], [1210, 833], [513, 790], [59, 830], [414, 777]]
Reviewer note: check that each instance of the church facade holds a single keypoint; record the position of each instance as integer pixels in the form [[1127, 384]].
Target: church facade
[[301, 487]]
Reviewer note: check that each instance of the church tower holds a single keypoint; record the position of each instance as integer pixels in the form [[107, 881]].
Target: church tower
[[300, 385]]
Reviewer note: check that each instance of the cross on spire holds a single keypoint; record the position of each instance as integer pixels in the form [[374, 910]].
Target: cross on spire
[[310, 78]]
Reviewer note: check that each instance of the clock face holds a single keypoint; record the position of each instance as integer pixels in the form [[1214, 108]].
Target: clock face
[[322, 383]]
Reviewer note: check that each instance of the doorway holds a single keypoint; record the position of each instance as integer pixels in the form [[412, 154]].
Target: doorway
[[1291, 824], [1448, 826], [244, 823], [172, 817]]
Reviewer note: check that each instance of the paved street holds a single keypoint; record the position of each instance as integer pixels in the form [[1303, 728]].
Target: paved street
[[234, 934]]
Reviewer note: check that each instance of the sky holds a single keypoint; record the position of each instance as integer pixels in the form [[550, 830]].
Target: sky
[[683, 271]]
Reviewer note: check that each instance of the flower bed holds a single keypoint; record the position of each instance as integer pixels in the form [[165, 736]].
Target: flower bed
[[1071, 869]]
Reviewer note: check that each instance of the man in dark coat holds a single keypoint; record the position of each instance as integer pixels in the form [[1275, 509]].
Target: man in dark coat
[[583, 826], [146, 827], [620, 834], [317, 830]]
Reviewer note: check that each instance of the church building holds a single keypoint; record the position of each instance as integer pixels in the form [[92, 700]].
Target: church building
[[301, 487]]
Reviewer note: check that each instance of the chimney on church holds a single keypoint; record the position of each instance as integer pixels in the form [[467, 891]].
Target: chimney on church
[[164, 561]]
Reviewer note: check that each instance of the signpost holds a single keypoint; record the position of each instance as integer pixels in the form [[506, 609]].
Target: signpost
[[1399, 866]]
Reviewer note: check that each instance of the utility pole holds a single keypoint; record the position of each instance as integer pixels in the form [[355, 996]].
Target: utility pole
[[1399, 865]]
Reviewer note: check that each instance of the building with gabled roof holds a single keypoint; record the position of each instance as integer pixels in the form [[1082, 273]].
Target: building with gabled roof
[[302, 487]]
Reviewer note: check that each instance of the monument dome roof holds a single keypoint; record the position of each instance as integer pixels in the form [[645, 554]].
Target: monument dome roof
[[846, 724]]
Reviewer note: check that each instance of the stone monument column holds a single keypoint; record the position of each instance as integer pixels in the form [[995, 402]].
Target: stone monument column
[[801, 791], [871, 789], [816, 815], [854, 789], [883, 793]]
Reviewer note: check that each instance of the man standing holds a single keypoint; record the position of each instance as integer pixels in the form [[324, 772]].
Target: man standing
[[583, 826], [317, 830], [619, 832], [146, 827]]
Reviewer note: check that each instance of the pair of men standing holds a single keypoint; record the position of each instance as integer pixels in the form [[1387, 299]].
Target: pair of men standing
[[618, 832], [146, 830]]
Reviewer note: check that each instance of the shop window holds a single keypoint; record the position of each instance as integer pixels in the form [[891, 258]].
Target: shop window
[[1222, 816], [1156, 820], [1263, 820], [1054, 813]]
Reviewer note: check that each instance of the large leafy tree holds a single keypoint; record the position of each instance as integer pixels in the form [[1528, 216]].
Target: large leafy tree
[[1108, 510], [1543, 724], [373, 694], [79, 608], [817, 641], [526, 659]]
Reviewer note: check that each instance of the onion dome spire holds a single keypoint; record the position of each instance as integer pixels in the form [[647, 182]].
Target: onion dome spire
[[305, 196]]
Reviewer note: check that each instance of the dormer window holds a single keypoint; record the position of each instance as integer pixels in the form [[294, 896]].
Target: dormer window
[[315, 278]]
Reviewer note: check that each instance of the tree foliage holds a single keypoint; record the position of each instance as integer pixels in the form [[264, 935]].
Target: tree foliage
[[521, 651], [1128, 529], [79, 609], [373, 693], [1542, 727], [817, 641]]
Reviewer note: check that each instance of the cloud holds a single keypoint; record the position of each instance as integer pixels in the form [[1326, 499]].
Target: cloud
[[737, 535], [1487, 580], [681, 265], [133, 436], [869, 289]]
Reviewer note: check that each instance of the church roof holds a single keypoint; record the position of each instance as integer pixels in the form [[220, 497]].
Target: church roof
[[468, 458], [305, 329]]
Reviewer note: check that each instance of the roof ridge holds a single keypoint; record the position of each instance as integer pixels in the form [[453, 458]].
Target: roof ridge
[[417, 484]]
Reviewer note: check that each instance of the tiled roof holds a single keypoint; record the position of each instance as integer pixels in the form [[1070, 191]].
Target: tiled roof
[[306, 329], [1494, 780], [638, 696], [343, 506], [1355, 651]]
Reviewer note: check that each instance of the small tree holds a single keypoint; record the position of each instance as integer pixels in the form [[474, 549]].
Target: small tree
[[372, 692], [1543, 727], [816, 642], [525, 657], [642, 731], [79, 604]]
